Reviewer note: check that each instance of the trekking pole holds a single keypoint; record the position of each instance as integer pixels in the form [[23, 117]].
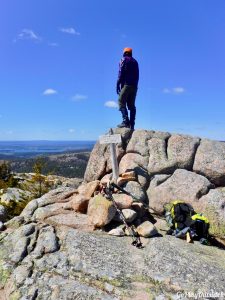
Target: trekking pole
[[135, 237]]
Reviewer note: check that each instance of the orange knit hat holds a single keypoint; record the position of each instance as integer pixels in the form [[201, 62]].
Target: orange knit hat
[[129, 50]]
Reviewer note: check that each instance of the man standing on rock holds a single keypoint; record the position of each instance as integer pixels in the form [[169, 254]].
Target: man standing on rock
[[126, 88]]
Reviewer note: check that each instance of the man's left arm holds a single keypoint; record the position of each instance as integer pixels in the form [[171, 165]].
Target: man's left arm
[[120, 79]]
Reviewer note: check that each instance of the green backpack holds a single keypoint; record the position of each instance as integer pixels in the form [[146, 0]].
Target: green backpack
[[179, 214]]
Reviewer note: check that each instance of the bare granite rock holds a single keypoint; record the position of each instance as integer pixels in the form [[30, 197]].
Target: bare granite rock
[[213, 206], [210, 161], [46, 243], [182, 185], [49, 210], [169, 155], [99, 266], [52, 252], [71, 219]]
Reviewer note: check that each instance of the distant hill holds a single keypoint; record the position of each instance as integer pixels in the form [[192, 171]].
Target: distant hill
[[72, 164]]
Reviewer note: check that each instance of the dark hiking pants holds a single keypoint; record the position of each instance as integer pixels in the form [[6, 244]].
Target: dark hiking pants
[[127, 100]]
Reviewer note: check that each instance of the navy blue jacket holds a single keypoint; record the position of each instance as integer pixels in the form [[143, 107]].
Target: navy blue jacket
[[128, 72]]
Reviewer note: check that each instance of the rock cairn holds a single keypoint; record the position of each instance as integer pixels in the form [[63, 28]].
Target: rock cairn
[[168, 167], [155, 168]]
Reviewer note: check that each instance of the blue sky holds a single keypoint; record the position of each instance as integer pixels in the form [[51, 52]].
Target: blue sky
[[59, 64]]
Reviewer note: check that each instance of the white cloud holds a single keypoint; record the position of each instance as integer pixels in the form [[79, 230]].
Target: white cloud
[[111, 104], [69, 30], [175, 90], [79, 97], [49, 92], [28, 34], [178, 90], [71, 130], [53, 44]]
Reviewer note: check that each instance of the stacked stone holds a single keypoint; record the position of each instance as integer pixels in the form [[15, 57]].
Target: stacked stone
[[169, 167], [155, 168], [101, 211]]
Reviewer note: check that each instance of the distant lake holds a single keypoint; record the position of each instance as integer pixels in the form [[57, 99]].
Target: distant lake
[[34, 148]]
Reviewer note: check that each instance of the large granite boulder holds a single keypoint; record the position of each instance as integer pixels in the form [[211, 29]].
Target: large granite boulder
[[213, 205], [168, 155], [210, 161], [139, 142], [100, 162], [182, 185]]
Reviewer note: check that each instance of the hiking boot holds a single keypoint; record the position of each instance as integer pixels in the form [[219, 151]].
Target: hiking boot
[[132, 127], [124, 124], [132, 117], [126, 121]]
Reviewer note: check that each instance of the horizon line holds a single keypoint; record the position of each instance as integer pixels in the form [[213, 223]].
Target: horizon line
[[47, 140]]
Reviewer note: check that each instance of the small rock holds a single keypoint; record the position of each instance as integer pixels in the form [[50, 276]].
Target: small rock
[[125, 177], [117, 232], [123, 201], [129, 216], [135, 190], [106, 179], [161, 225], [136, 163], [79, 203], [147, 229], [88, 189], [100, 211], [139, 208]]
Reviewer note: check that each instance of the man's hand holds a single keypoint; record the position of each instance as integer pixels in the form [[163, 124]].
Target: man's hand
[[118, 89]]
